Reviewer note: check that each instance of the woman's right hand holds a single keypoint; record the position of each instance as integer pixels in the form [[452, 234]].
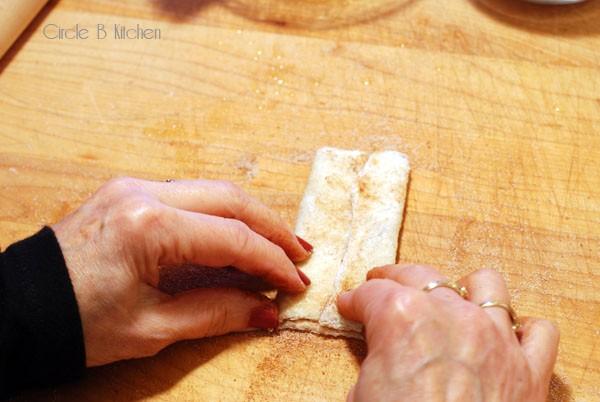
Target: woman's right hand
[[438, 346]]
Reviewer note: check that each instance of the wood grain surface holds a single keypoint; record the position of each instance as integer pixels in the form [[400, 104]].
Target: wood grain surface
[[497, 104]]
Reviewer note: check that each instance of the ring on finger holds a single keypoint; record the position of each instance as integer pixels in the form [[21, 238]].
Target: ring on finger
[[514, 318], [460, 290]]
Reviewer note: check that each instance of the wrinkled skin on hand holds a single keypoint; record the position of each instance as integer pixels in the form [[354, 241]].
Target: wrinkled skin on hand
[[437, 346], [115, 242]]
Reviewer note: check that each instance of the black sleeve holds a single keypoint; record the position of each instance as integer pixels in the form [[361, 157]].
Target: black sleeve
[[41, 337]]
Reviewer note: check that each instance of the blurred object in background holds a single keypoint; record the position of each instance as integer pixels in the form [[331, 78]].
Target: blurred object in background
[[15, 15], [556, 17], [555, 2], [316, 14]]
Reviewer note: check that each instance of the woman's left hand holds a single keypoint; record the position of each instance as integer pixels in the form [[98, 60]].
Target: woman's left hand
[[115, 243]]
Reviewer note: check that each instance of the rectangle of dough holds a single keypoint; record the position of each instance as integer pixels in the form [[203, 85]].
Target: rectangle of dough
[[357, 223], [325, 217]]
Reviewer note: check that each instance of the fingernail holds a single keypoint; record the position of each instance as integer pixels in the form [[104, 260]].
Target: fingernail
[[304, 278], [265, 316], [306, 245]]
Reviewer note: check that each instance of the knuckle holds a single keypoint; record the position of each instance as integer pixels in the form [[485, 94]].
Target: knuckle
[[410, 267], [232, 189], [138, 215], [278, 254], [488, 274], [226, 185], [470, 314], [240, 234], [414, 269], [399, 306], [413, 302], [150, 337], [217, 320], [240, 200], [119, 186], [158, 340]]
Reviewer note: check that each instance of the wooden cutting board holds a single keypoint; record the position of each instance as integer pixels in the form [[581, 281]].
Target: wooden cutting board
[[496, 103]]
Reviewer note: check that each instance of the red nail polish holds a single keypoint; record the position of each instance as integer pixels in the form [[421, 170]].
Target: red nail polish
[[304, 278], [306, 245], [265, 316]]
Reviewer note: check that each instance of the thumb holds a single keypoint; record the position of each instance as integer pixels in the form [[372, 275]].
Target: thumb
[[206, 312]]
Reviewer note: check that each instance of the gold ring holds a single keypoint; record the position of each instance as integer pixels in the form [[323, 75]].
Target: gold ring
[[460, 290], [511, 312]]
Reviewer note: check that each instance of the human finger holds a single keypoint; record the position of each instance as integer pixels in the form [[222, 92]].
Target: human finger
[[207, 312], [370, 298], [207, 240], [487, 285], [416, 276], [539, 340], [227, 200]]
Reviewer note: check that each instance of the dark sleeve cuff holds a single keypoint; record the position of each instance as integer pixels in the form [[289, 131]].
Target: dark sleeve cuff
[[41, 337]]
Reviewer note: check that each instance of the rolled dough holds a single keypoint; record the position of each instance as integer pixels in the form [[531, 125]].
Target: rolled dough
[[352, 213]]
